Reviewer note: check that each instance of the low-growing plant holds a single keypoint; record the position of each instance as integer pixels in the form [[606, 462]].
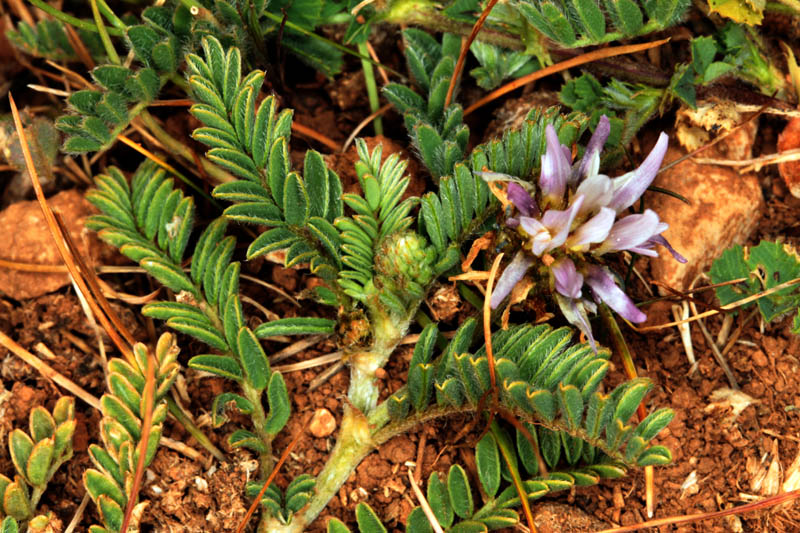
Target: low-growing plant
[[378, 251], [762, 267], [377, 263], [36, 456]]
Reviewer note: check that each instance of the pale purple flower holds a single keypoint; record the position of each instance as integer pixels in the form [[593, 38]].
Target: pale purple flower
[[556, 168], [605, 290], [522, 200], [631, 186], [632, 233], [578, 218], [590, 162], [594, 230], [552, 230], [512, 274], [568, 281]]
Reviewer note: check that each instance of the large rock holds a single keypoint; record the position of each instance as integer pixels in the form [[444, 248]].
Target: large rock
[[725, 208], [27, 239]]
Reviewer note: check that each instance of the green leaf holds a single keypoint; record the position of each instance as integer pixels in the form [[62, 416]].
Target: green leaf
[[221, 365], [168, 274], [15, 501], [112, 77], [459, 492], [202, 330], [97, 484], [254, 360], [20, 447], [264, 213], [42, 423], [296, 326], [221, 403], [274, 239], [39, 462], [245, 439], [295, 200], [417, 522], [368, 521], [111, 512], [590, 17], [336, 526], [487, 460], [469, 526], [279, 405], [9, 525], [439, 500], [703, 51]]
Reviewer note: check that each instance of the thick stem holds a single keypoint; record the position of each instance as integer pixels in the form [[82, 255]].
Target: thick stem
[[387, 332], [266, 461], [355, 442]]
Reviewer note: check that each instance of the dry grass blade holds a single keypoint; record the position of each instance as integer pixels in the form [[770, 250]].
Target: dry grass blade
[[465, 44], [275, 470], [58, 236], [487, 324], [94, 283], [363, 124], [313, 134], [148, 399], [696, 517], [729, 307], [47, 371], [423, 503], [588, 57]]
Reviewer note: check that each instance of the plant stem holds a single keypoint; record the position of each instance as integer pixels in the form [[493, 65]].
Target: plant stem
[[387, 332], [72, 21], [355, 442], [101, 29], [372, 87], [111, 16], [193, 430], [266, 461]]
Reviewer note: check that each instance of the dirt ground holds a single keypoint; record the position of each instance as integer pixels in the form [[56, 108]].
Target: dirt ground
[[719, 460]]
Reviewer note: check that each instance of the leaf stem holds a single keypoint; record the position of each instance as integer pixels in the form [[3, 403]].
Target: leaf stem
[[101, 29], [177, 147], [72, 21], [372, 87], [193, 430]]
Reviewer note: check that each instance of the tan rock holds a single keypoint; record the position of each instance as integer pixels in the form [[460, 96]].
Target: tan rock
[[725, 208], [789, 139], [322, 424], [27, 239]]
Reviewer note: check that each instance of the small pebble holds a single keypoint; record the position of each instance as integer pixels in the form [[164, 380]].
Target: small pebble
[[322, 424]]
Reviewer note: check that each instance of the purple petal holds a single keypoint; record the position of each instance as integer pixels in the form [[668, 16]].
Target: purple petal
[[593, 230], [632, 231], [522, 200], [631, 186], [512, 222], [555, 168], [606, 290], [575, 313], [514, 272], [559, 222], [593, 149], [659, 239], [568, 281], [597, 190]]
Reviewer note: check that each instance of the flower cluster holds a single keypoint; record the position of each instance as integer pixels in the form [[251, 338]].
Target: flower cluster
[[576, 216]]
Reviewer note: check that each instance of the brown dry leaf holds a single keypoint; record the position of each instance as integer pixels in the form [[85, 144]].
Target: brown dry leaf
[[518, 294], [694, 127], [482, 243], [725, 398], [473, 275]]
